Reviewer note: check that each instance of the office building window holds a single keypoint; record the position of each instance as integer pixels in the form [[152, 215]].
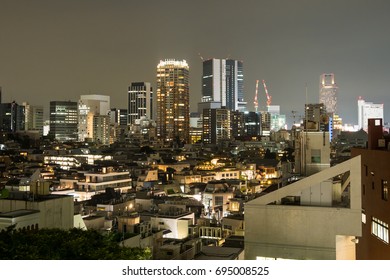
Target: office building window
[[380, 229], [385, 190]]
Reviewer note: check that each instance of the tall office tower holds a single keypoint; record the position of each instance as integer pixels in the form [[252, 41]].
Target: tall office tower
[[328, 92], [89, 106], [252, 124], [368, 110], [173, 109], [63, 120], [223, 84], [216, 125], [140, 102], [33, 117], [12, 117]]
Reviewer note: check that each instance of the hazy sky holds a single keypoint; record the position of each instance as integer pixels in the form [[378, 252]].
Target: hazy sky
[[59, 50]]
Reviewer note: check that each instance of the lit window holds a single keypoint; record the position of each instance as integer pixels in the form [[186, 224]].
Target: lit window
[[385, 190], [380, 229]]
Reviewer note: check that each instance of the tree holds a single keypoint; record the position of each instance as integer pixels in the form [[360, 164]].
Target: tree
[[58, 244]]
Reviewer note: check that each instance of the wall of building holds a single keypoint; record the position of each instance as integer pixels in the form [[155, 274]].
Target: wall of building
[[375, 172], [304, 232], [54, 213], [296, 232]]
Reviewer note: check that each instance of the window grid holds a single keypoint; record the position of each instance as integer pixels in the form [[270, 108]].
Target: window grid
[[380, 229]]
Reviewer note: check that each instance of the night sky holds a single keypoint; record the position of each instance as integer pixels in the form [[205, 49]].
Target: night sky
[[59, 50]]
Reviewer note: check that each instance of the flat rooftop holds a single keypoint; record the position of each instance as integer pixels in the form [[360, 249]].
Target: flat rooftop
[[18, 213]]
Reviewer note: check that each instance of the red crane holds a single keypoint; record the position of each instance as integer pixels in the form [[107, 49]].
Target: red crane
[[269, 97], [256, 103]]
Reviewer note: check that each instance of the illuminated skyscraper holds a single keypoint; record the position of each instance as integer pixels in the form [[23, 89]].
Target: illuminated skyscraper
[[173, 112], [328, 92], [223, 82]]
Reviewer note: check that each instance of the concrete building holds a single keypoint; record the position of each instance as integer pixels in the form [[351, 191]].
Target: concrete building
[[55, 211], [375, 176], [97, 182], [320, 220], [23, 219], [216, 125], [312, 152]]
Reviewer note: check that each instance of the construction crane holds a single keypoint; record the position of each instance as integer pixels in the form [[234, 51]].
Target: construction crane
[[256, 103], [269, 97]]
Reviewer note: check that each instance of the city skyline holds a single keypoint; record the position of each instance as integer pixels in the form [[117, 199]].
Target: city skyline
[[60, 50]]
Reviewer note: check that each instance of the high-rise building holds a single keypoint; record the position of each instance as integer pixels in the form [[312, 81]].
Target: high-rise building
[[63, 120], [265, 123], [237, 124], [101, 129], [216, 125], [173, 109], [252, 124], [33, 117], [12, 117], [223, 83], [368, 110], [140, 98], [375, 182], [89, 106], [328, 92]]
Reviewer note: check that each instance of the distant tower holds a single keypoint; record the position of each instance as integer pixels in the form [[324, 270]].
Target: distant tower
[[173, 109], [223, 82], [328, 92], [140, 98]]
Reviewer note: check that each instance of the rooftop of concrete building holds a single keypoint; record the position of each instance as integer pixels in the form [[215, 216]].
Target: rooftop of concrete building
[[18, 213]]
